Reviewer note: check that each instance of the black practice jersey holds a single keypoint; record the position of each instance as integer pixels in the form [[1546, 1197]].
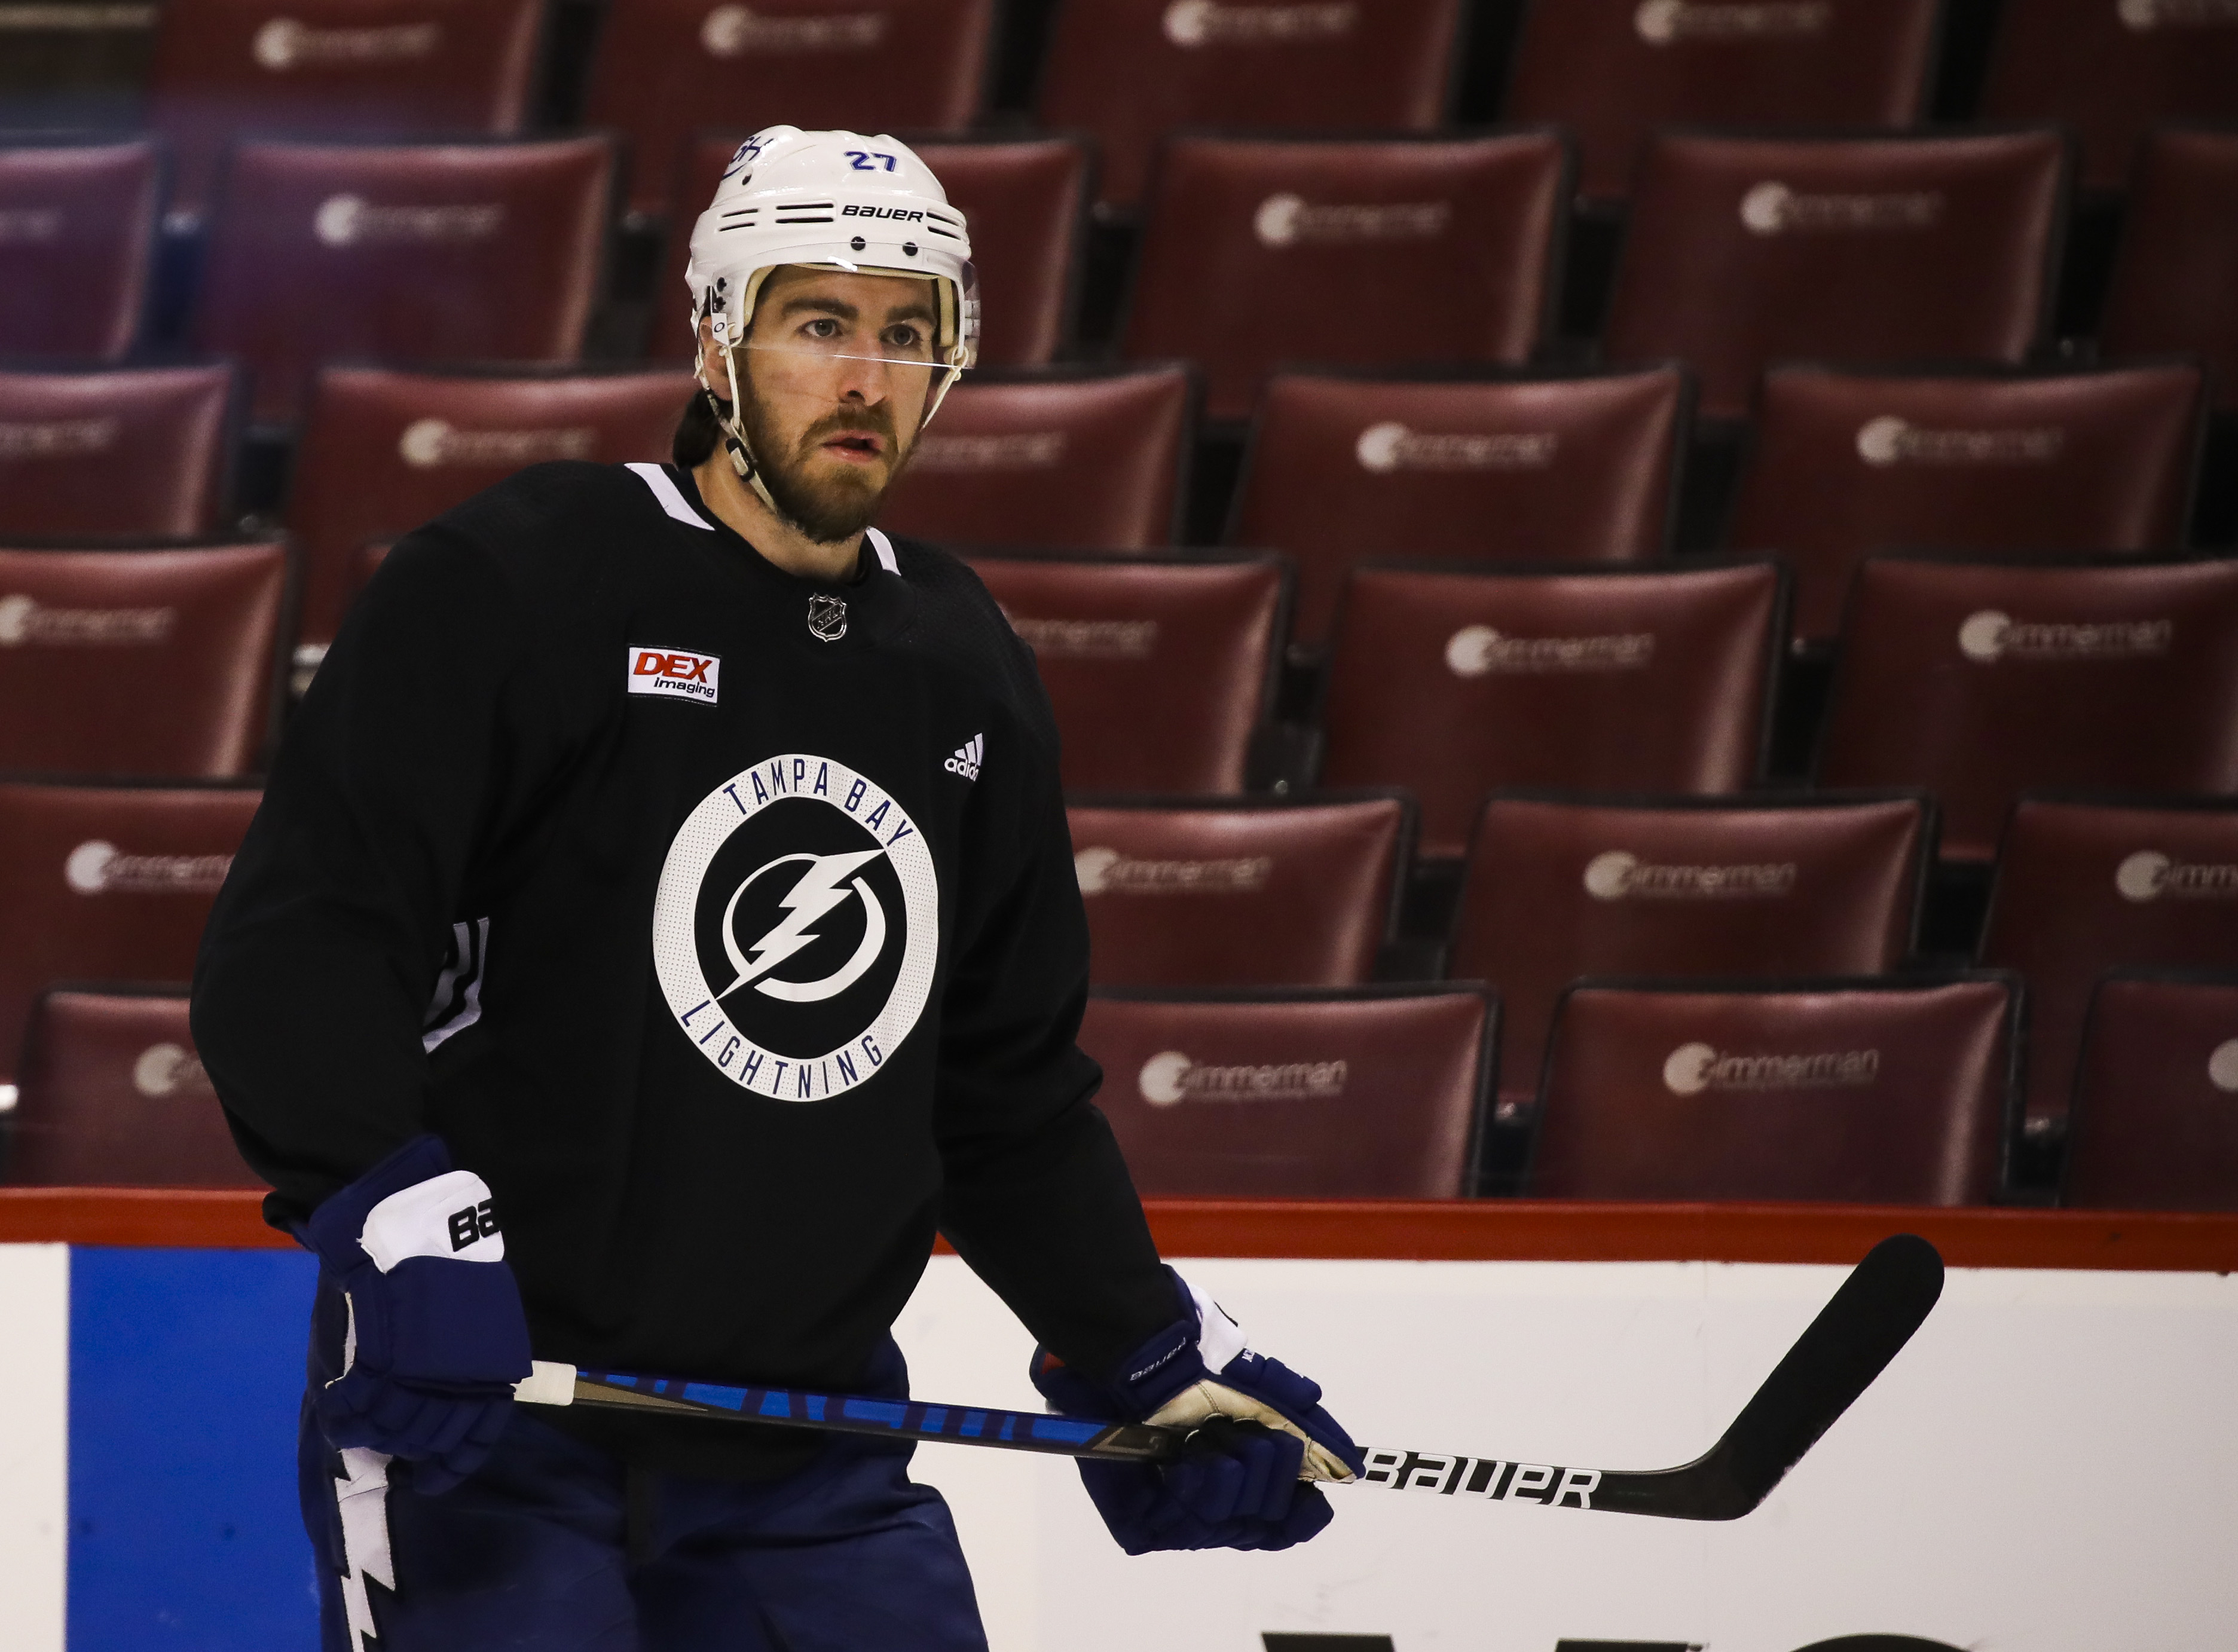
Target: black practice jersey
[[724, 921]]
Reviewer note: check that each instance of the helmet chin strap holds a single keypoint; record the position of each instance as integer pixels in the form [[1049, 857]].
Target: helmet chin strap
[[733, 426]]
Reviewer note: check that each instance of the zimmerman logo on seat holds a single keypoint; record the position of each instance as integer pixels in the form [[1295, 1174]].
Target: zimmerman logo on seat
[[1038, 450], [1087, 638], [428, 444], [1192, 24], [797, 928], [2144, 15], [1171, 1078], [672, 675], [1288, 220], [56, 438], [284, 43], [1988, 636], [1772, 208], [1891, 440], [25, 622], [352, 221], [1618, 874], [1391, 446], [1478, 651], [1692, 1068], [2151, 876], [99, 867], [1663, 23], [1106, 871], [733, 31], [21, 225]]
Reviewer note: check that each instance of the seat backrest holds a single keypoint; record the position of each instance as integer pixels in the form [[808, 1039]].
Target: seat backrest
[[1340, 469], [1299, 892], [1613, 70], [486, 251], [132, 451], [666, 68], [2110, 69], [1980, 680], [1129, 71], [145, 663], [335, 68], [113, 1094], [2083, 888], [1256, 250], [1561, 887], [106, 883], [2154, 1124], [1624, 680], [1161, 670], [1844, 464], [1880, 1093], [1743, 251], [77, 231], [384, 452], [1085, 458], [1302, 1094], [2176, 264]]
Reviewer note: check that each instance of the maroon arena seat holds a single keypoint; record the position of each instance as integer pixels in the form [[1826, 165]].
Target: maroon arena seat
[[2154, 1124], [129, 451], [149, 662], [392, 69], [1161, 670], [1025, 201], [1561, 887], [77, 230], [1980, 680], [1297, 1094], [1844, 464], [1453, 683], [1086, 458], [486, 251], [1743, 251], [2083, 888], [1262, 253], [113, 1094], [666, 67], [2110, 69], [1293, 893], [1129, 71], [1879, 1093], [1613, 70], [2177, 263], [106, 883], [1340, 469], [384, 452]]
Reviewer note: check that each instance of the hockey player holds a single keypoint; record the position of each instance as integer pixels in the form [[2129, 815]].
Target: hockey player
[[660, 921]]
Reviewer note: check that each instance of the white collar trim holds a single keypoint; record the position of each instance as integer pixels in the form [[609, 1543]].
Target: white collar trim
[[884, 547], [672, 500]]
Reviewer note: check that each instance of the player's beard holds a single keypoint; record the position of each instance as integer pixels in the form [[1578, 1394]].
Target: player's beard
[[838, 505]]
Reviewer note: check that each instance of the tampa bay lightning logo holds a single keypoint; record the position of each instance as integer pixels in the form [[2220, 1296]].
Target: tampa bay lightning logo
[[796, 929]]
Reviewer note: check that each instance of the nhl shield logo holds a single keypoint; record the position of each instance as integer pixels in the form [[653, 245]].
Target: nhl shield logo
[[797, 928], [827, 618]]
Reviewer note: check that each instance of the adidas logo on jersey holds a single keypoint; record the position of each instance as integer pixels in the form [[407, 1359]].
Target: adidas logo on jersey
[[968, 758]]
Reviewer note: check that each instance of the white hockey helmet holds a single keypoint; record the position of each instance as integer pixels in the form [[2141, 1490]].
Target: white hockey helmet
[[833, 200]]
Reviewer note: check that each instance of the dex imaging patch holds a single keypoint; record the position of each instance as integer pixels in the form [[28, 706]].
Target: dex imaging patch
[[672, 675]]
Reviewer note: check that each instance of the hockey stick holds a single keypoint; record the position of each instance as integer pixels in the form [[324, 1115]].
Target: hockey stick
[[1884, 1299]]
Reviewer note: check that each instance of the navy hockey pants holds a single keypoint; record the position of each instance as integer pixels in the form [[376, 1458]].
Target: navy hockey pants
[[536, 1551]]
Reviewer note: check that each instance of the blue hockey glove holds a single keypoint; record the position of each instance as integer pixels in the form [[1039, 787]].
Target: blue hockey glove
[[417, 1334], [1259, 1438]]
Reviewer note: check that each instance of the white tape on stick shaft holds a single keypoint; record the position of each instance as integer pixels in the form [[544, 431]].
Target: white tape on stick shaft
[[548, 1382]]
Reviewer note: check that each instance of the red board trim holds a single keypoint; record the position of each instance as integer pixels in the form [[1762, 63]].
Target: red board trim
[[1409, 1230]]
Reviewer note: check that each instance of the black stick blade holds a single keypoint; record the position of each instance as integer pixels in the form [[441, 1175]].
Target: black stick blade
[[1886, 1298]]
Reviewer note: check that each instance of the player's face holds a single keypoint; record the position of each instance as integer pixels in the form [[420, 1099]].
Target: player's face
[[835, 376]]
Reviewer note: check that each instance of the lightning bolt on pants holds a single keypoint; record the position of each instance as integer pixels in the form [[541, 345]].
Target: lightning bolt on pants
[[532, 1554]]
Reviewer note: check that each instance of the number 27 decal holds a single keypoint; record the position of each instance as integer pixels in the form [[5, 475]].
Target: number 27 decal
[[866, 159]]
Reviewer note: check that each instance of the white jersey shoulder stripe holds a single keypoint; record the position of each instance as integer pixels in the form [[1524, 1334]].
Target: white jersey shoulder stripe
[[670, 500], [884, 547]]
